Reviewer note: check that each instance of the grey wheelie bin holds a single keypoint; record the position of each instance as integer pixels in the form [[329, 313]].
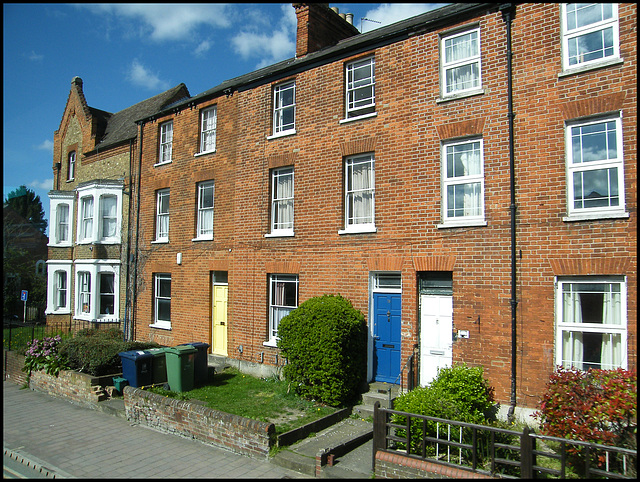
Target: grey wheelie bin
[[158, 365]]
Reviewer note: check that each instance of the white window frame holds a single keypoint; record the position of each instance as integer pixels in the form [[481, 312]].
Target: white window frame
[[352, 193], [56, 200], [355, 107], [280, 109], [71, 166], [474, 59], [569, 349], [159, 278], [161, 194], [86, 217], [279, 201], [472, 219], [208, 129], [98, 192], [575, 168], [202, 211], [107, 219], [95, 268], [570, 35], [278, 309], [54, 268], [165, 143], [102, 293]]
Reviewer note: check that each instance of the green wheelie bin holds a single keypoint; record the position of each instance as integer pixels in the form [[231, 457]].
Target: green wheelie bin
[[180, 367]]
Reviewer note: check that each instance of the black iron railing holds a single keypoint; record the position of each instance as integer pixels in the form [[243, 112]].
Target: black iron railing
[[495, 451]]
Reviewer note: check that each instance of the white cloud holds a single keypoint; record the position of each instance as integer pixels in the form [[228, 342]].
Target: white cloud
[[202, 48], [33, 56], [139, 75], [46, 145], [172, 22], [269, 47], [388, 13], [47, 184]]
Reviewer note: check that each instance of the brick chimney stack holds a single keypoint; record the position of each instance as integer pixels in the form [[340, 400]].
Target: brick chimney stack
[[320, 27]]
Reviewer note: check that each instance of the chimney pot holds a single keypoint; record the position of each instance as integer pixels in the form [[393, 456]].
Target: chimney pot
[[335, 9], [350, 18]]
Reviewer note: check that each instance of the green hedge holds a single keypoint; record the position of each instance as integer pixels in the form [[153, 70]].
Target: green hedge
[[95, 351], [325, 343]]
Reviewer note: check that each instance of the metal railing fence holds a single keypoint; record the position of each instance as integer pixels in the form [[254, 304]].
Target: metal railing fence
[[495, 451]]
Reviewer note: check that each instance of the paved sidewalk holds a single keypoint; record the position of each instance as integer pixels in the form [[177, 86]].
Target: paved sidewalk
[[81, 442]]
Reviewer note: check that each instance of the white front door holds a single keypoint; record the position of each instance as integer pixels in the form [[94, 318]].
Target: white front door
[[436, 340]]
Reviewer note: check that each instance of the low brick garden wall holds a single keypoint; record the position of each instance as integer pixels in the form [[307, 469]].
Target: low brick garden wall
[[12, 367], [188, 419], [398, 466]]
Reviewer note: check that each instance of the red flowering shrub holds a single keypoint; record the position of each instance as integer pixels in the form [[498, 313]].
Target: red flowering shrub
[[598, 406]]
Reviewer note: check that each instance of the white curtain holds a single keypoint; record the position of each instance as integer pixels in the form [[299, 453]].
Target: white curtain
[[63, 223], [206, 221], [458, 49], [284, 207], [572, 345], [209, 124], [362, 196], [87, 217], [611, 346], [472, 191], [109, 216]]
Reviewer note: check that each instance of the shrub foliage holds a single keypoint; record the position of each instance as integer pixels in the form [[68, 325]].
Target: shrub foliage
[[95, 351], [458, 393], [325, 343], [597, 406], [43, 355]]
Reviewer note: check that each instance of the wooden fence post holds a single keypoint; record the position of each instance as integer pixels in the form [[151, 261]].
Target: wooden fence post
[[379, 432]]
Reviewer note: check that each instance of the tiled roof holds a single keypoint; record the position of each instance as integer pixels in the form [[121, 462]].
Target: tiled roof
[[121, 126]]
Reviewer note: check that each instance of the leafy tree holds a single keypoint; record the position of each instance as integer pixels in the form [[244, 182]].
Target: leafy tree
[[27, 204], [23, 243]]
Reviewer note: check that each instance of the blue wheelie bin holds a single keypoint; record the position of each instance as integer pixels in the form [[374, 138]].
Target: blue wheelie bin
[[136, 367], [200, 365]]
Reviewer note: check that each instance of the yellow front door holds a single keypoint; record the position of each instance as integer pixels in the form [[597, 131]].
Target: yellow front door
[[219, 321]]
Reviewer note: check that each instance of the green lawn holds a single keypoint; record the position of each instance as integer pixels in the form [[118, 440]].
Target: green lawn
[[267, 400]]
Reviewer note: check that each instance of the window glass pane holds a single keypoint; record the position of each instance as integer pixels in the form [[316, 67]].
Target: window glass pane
[[208, 133], [86, 230], [61, 288], [359, 190], [596, 188], [591, 46], [109, 216], [463, 160], [360, 87], [107, 294], [63, 222], [584, 14], [282, 199], [461, 47], [85, 292]]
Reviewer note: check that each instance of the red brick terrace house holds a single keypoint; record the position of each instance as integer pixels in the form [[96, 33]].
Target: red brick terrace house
[[89, 225], [466, 177]]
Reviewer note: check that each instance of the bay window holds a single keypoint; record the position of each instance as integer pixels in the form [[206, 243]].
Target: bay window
[[99, 212], [61, 206], [97, 290]]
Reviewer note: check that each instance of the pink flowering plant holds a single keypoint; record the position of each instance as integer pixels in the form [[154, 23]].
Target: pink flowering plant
[[43, 355]]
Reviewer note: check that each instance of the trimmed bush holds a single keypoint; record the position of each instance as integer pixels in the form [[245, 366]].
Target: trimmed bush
[[325, 343], [458, 393], [95, 351]]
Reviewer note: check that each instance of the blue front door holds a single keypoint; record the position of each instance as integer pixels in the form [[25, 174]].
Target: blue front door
[[386, 336]]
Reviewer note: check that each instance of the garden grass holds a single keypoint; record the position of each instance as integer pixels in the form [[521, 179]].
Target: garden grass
[[266, 400]]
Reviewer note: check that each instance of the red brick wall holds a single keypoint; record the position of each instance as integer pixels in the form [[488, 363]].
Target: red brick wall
[[405, 136]]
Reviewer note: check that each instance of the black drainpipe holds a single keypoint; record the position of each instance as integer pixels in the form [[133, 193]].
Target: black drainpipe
[[135, 254], [508, 13], [128, 256]]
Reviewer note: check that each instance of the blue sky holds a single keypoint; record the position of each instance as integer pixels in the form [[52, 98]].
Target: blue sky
[[126, 53]]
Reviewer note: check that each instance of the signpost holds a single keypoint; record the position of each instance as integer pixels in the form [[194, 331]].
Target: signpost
[[23, 297]]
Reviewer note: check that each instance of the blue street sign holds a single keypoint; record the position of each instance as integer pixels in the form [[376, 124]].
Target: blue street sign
[[23, 295]]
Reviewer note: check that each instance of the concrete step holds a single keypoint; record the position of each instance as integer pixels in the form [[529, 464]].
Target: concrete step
[[113, 406]]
